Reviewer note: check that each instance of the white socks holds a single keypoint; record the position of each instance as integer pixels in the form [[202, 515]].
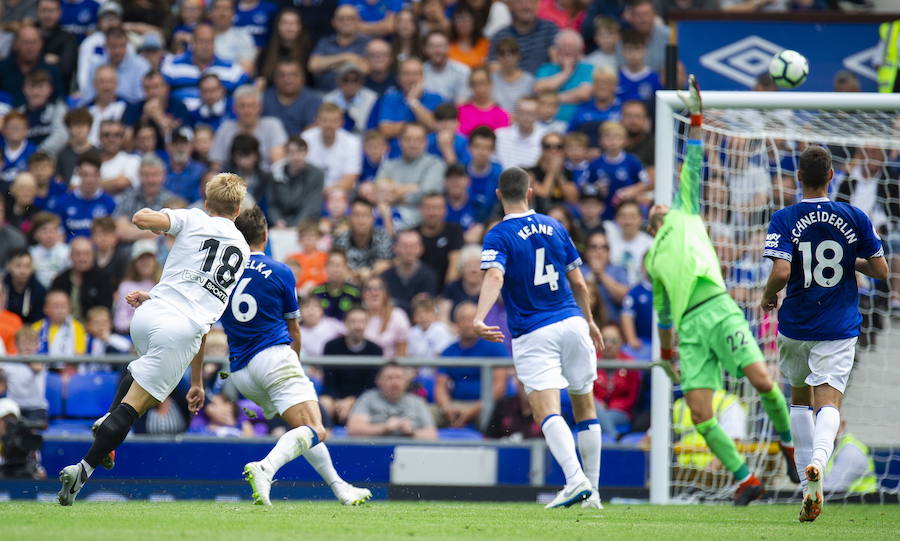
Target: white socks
[[828, 421], [320, 459], [802, 429], [562, 446], [589, 442], [289, 446], [88, 469]]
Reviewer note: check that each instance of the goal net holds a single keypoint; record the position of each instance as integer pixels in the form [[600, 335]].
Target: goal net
[[749, 172]]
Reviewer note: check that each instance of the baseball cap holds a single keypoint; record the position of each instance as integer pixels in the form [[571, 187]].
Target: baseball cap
[[109, 7], [348, 67], [9, 407], [151, 42], [143, 246]]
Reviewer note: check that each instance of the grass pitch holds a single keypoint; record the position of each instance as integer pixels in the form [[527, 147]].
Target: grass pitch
[[133, 521]]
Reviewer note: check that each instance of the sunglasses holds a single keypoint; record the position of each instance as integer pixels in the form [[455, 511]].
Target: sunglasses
[[552, 146]]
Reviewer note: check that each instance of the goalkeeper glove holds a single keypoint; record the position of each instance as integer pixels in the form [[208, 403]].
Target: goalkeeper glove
[[693, 101]]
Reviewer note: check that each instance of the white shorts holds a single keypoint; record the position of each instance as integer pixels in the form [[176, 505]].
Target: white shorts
[[558, 356], [167, 341], [817, 362], [275, 380]]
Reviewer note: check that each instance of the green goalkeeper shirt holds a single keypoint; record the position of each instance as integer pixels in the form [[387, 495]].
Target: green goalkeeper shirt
[[682, 263]]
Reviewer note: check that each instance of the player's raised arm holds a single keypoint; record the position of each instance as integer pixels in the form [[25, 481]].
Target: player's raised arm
[[688, 196], [151, 220]]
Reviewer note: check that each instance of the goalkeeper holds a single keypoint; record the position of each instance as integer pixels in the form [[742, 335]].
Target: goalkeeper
[[689, 294]]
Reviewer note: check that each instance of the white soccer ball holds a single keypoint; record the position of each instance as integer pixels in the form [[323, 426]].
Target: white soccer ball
[[789, 69]]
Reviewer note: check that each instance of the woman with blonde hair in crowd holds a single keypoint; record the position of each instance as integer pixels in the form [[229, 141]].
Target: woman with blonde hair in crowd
[[388, 325]]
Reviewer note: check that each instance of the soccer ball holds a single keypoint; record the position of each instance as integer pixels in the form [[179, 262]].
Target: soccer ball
[[789, 69]]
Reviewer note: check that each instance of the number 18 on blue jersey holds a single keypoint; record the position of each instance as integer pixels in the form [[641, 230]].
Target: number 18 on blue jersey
[[534, 252]]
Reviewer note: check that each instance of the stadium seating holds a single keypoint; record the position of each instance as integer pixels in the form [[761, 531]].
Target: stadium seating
[[89, 395]]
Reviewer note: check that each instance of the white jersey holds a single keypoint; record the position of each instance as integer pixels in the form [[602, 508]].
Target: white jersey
[[203, 266]]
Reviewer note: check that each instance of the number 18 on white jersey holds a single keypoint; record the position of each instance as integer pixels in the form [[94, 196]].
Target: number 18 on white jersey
[[203, 266]]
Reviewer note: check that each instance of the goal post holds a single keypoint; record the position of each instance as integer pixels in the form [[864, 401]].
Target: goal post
[[752, 141]]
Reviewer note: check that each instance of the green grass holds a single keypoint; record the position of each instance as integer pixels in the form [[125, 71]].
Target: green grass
[[297, 521]]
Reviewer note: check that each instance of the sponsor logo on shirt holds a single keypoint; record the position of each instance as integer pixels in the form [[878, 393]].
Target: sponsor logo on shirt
[[488, 255]]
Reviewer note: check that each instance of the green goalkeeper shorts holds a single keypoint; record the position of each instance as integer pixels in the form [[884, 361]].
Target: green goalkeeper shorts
[[713, 337]]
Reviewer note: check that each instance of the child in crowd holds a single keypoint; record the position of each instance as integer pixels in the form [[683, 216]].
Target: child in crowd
[[143, 273], [310, 258], [636, 80], [40, 165], [428, 337], [460, 207], [336, 295], [445, 142], [375, 150], [15, 149], [59, 333], [50, 255], [590, 210], [101, 340], [112, 256], [548, 109], [26, 383], [334, 219], [602, 107], [616, 175], [577, 161], [606, 37], [483, 171], [78, 125], [20, 209]]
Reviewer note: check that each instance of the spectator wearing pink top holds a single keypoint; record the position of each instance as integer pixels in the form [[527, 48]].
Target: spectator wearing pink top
[[481, 110], [388, 325], [143, 273], [563, 13]]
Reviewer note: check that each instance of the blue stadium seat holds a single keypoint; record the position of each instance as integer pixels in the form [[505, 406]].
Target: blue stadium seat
[[623, 428], [632, 439], [339, 432], [89, 395], [54, 394], [459, 434], [63, 427]]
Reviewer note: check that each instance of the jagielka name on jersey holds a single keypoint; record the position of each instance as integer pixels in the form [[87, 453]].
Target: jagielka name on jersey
[[534, 252], [822, 240], [255, 317]]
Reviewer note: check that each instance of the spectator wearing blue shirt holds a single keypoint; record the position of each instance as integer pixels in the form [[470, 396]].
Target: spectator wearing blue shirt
[[566, 74], [184, 71], [130, 67], [483, 171], [79, 17], [637, 319], [166, 114], [461, 209], [408, 103], [377, 15], [41, 166], [255, 16], [636, 80], [603, 106], [457, 390], [46, 126], [289, 100], [80, 207], [14, 147], [375, 151], [616, 175], [183, 172], [24, 58], [213, 106], [346, 45], [445, 142]]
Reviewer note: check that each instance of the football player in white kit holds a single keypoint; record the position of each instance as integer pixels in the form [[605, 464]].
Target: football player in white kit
[[169, 326]]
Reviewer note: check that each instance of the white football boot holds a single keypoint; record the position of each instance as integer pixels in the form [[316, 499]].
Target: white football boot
[[72, 478], [592, 502], [571, 494], [260, 478], [348, 494]]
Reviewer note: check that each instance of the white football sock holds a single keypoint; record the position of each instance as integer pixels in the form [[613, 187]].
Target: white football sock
[[802, 429], [320, 459], [288, 447], [828, 421], [88, 469], [562, 447], [589, 443]]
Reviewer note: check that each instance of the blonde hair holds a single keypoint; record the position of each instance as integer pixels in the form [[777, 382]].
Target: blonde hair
[[611, 126], [224, 193], [605, 71]]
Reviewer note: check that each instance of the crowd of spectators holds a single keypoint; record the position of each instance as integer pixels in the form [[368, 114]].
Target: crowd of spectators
[[372, 134]]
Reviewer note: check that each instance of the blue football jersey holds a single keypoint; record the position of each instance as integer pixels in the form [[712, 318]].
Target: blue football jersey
[[257, 310], [609, 175], [256, 20], [822, 240], [534, 252]]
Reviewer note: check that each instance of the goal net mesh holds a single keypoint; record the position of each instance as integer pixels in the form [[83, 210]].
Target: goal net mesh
[[749, 173]]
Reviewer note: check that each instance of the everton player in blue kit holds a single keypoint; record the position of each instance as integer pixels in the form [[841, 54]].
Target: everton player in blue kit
[[817, 246], [531, 258], [262, 322]]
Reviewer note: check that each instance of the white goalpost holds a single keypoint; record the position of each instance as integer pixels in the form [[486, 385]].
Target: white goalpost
[[752, 141]]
